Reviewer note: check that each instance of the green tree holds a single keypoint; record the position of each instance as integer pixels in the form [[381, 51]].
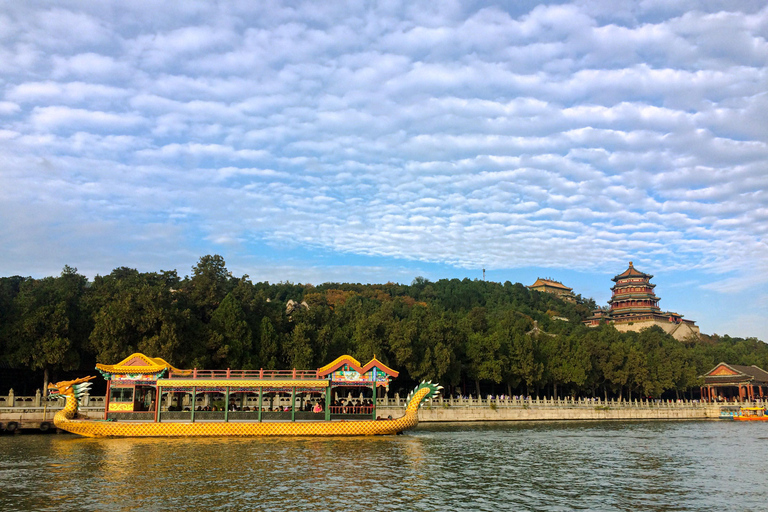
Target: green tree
[[9, 290], [209, 285], [297, 350], [230, 337], [140, 312], [50, 327], [566, 361], [269, 346], [485, 357]]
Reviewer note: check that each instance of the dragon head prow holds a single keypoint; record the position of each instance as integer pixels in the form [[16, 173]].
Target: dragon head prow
[[62, 388], [431, 388]]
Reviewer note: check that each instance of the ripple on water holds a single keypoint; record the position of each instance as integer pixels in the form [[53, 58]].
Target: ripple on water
[[674, 466]]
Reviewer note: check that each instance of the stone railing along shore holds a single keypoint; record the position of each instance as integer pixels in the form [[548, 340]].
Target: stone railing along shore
[[35, 412]]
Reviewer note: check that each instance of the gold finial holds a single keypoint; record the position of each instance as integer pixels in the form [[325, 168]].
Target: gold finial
[[630, 263]]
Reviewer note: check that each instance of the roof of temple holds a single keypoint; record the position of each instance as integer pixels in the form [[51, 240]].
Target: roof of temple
[[723, 373], [632, 272], [549, 282]]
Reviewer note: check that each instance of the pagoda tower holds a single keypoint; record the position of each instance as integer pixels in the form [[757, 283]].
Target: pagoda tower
[[632, 297], [634, 306]]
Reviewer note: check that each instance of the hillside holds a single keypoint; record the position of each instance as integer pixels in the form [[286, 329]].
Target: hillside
[[466, 334]]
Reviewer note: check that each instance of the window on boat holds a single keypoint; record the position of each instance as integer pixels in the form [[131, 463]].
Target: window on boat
[[121, 394]]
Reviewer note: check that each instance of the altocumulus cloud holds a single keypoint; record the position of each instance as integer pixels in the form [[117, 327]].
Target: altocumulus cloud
[[571, 136]]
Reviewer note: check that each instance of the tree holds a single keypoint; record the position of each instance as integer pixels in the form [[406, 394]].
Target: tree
[[209, 285], [371, 333], [230, 337], [50, 325], [441, 344], [524, 363], [269, 346], [566, 361], [140, 312], [486, 359], [297, 350], [9, 290], [658, 348]]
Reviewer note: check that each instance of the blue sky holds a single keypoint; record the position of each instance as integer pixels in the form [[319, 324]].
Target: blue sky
[[380, 141]]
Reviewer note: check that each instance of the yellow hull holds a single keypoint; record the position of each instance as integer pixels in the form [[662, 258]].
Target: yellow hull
[[92, 428]]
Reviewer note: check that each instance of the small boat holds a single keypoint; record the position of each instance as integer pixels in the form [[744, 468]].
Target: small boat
[[751, 414], [141, 392], [727, 412]]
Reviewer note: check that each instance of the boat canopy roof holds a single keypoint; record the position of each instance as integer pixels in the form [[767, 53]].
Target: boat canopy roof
[[343, 371], [246, 383], [138, 363]]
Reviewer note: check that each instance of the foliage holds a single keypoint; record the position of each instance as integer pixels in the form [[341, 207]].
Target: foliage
[[470, 335]]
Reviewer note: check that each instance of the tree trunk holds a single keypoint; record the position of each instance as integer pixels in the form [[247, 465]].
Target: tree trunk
[[45, 382], [509, 389], [554, 390], [605, 391], [477, 387]]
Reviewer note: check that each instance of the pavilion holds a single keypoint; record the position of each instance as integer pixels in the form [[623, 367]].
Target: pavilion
[[734, 382]]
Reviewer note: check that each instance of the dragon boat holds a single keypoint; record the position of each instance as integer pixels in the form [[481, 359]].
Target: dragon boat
[[147, 397]]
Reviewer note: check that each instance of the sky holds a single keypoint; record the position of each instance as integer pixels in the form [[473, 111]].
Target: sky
[[376, 142]]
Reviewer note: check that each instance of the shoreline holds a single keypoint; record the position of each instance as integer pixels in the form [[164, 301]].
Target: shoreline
[[41, 419]]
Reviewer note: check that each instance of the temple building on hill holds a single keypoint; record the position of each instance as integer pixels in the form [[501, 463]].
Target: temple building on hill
[[634, 306], [554, 287]]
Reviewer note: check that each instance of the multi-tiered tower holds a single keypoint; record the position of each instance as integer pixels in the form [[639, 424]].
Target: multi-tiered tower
[[634, 306], [633, 297]]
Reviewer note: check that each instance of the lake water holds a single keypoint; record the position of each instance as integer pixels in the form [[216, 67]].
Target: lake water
[[664, 466]]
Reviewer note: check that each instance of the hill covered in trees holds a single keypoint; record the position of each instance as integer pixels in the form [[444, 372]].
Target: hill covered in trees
[[465, 334]]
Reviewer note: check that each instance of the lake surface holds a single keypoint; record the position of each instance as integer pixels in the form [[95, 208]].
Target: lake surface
[[665, 466]]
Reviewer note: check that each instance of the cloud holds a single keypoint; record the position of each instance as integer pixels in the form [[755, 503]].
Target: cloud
[[8, 107], [56, 118], [68, 93], [567, 135], [91, 66]]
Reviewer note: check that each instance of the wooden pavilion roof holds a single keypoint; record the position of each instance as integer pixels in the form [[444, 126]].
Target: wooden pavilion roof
[[725, 374]]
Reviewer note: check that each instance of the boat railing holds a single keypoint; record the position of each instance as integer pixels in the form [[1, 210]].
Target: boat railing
[[352, 409], [261, 374], [570, 402]]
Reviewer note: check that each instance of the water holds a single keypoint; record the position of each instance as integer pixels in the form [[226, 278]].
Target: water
[[662, 466]]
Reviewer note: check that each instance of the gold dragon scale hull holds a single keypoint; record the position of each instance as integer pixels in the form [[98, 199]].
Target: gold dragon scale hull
[[94, 428]]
